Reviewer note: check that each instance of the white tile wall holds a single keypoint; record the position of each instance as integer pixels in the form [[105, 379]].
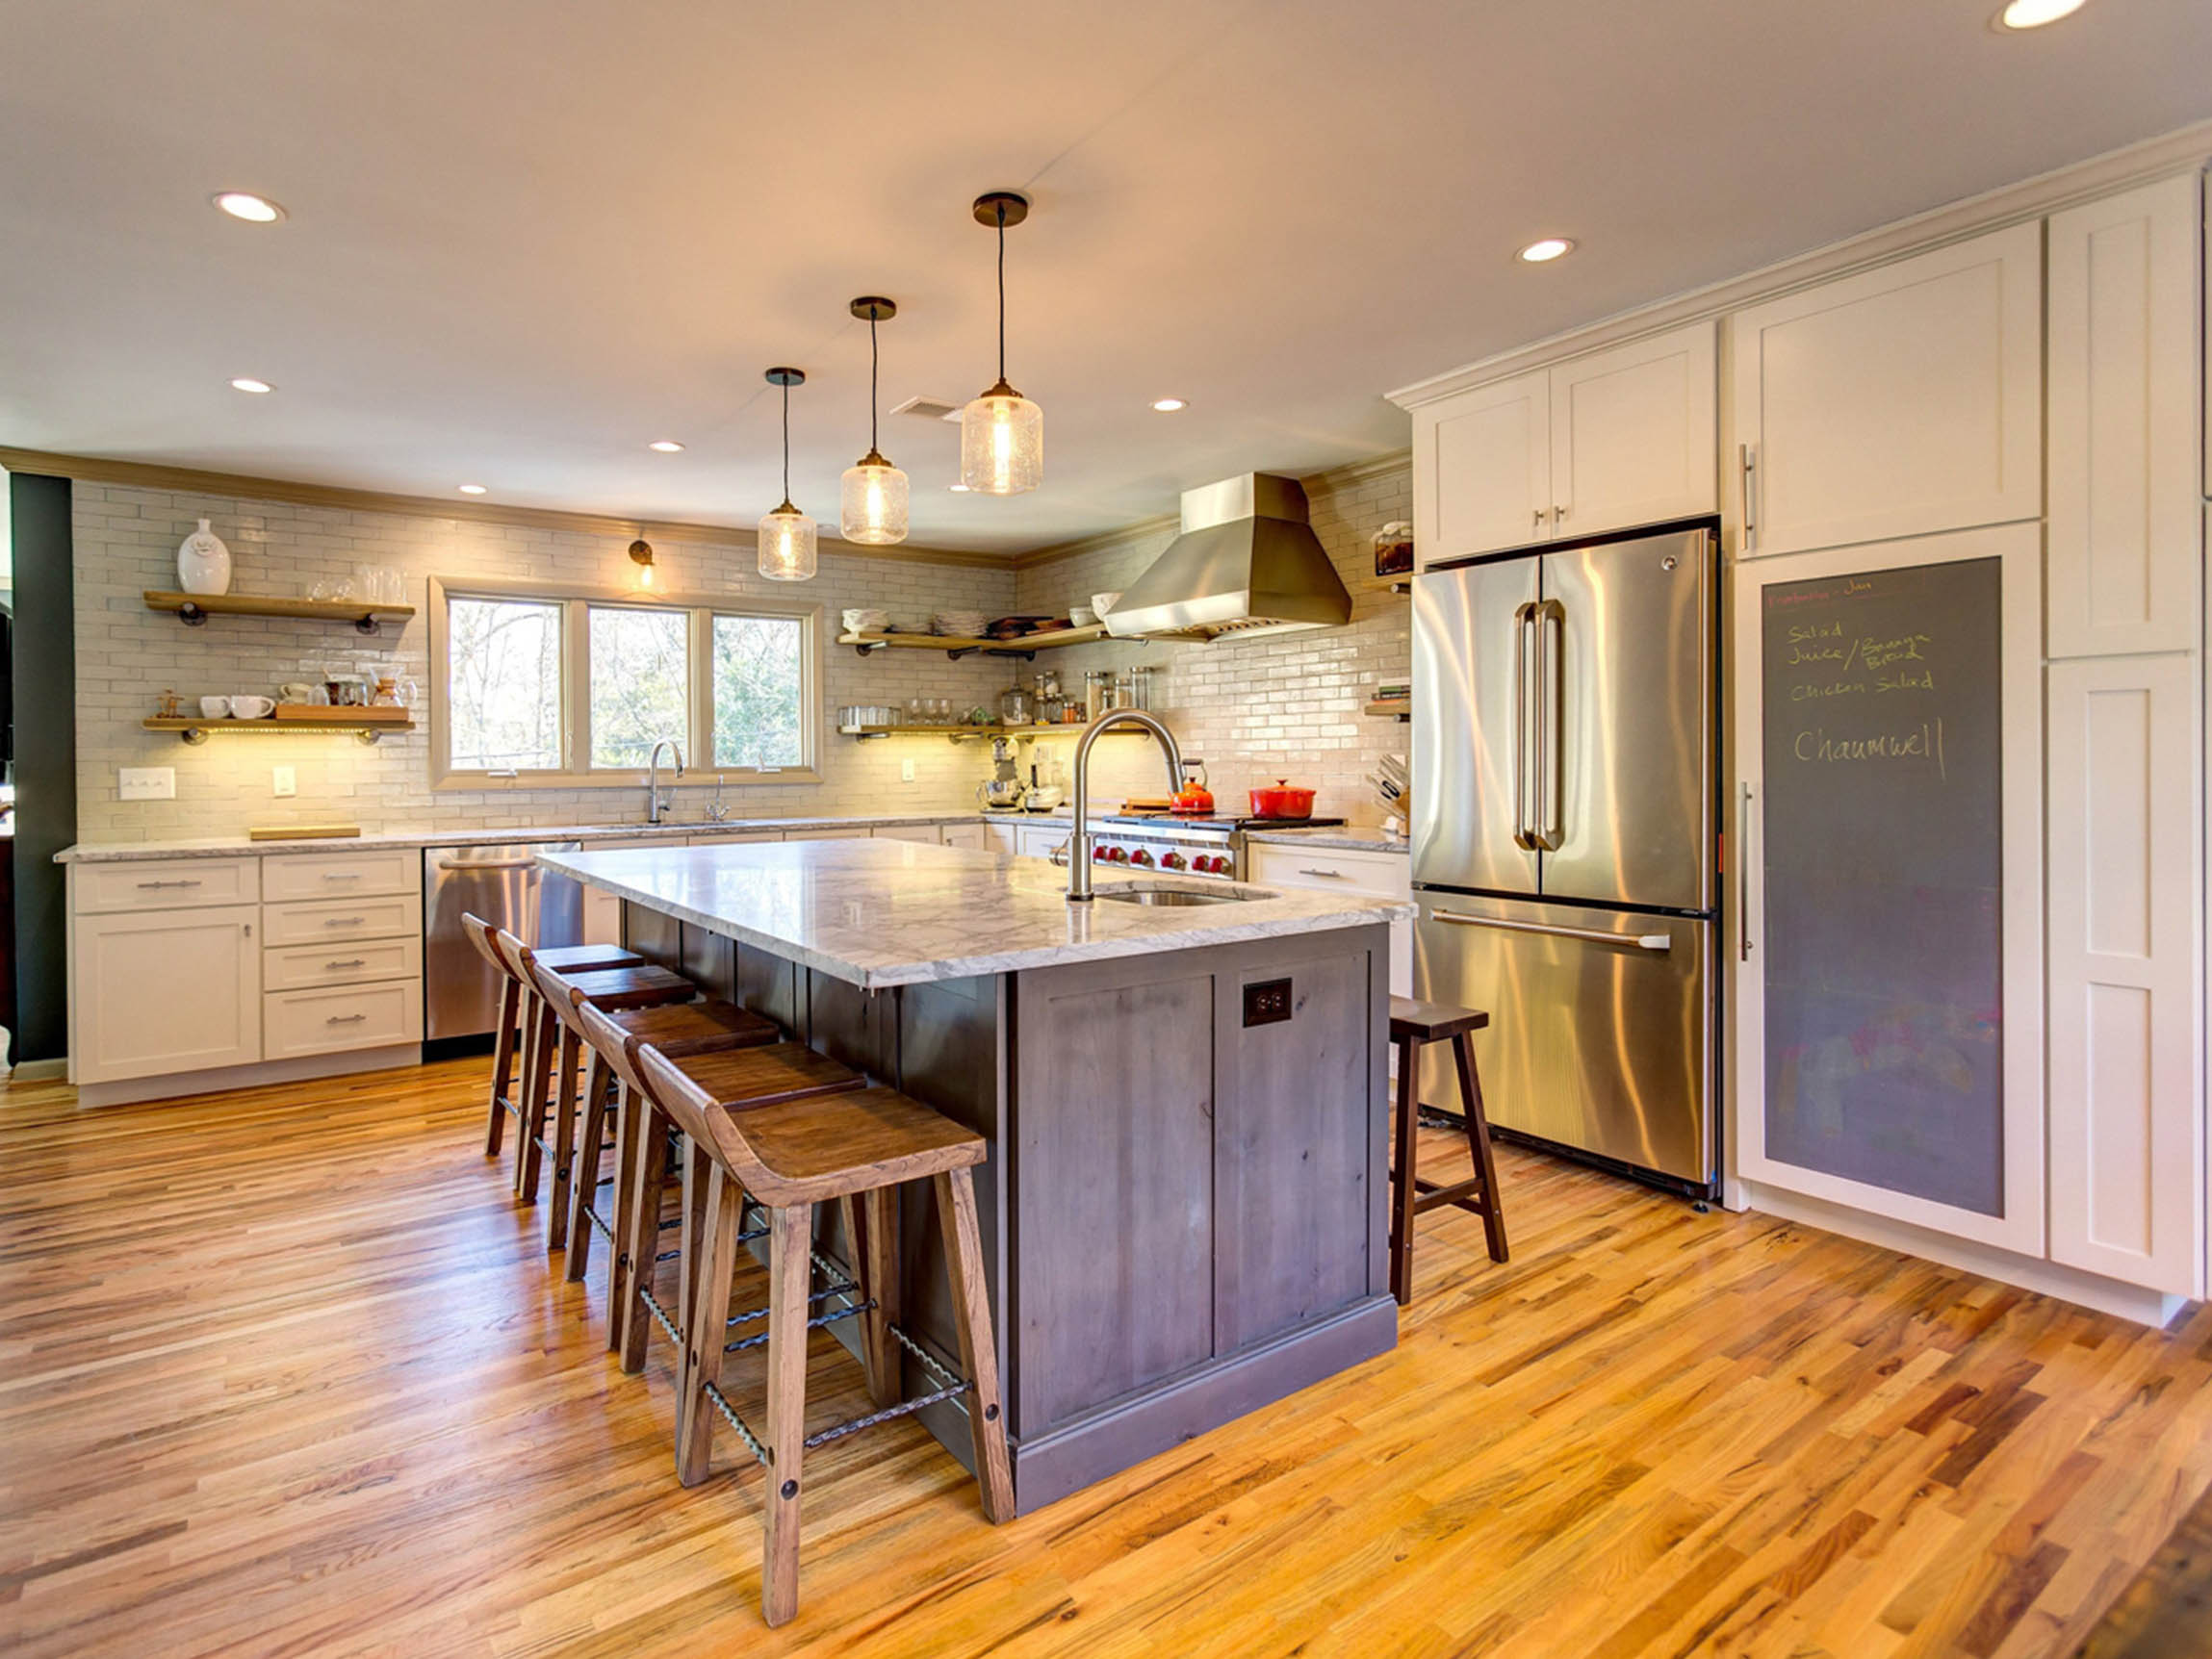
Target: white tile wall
[[1255, 710]]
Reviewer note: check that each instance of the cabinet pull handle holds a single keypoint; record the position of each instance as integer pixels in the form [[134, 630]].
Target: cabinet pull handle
[[344, 921], [344, 1020], [1558, 515], [1747, 464], [189, 882], [1332, 875], [355, 964], [341, 874], [1743, 876], [1595, 935]]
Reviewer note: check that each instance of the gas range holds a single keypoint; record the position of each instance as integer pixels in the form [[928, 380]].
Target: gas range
[[1184, 846]]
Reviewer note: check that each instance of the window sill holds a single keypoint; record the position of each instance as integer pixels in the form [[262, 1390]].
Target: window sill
[[732, 778]]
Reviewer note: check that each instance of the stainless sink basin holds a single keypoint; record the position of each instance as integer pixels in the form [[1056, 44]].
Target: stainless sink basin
[[1175, 896]]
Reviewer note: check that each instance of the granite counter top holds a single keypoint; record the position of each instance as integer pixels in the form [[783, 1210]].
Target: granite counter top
[[1350, 837], [880, 913]]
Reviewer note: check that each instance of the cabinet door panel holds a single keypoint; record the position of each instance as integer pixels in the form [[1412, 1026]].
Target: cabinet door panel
[[968, 835], [1482, 470], [2123, 551], [2127, 1093], [162, 991], [1897, 402], [1633, 434]]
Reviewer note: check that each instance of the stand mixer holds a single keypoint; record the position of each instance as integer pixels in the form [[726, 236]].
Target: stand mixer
[[1003, 790]]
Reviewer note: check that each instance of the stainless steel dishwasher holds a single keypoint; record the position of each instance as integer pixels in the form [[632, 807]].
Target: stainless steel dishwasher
[[507, 887]]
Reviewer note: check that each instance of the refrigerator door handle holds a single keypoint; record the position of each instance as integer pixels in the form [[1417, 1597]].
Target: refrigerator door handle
[[1591, 935], [1743, 876], [1524, 620], [1548, 833]]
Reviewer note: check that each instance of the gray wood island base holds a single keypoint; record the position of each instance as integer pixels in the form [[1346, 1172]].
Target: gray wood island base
[[1184, 1211]]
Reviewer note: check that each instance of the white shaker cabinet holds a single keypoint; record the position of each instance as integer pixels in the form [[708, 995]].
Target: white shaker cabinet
[[159, 991], [968, 834], [1620, 437], [2123, 554], [1901, 402], [2125, 1023]]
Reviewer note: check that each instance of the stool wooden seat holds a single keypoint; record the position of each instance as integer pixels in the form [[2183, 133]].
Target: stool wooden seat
[[586, 958], [1413, 1025], [790, 1158], [644, 986]]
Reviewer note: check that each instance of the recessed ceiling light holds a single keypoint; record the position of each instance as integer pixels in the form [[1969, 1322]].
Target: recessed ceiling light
[[1550, 248], [1168, 405], [2035, 14], [247, 383], [246, 205], [471, 489], [958, 488], [666, 446]]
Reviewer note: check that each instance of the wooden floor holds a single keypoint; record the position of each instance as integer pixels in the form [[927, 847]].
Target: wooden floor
[[284, 1372]]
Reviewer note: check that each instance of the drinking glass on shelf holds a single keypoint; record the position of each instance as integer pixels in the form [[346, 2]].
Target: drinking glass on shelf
[[917, 711]]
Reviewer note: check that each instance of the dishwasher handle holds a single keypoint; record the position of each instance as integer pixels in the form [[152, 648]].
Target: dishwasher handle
[[487, 863]]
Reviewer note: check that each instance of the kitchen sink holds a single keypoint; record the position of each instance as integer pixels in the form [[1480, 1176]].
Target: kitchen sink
[[1175, 896]]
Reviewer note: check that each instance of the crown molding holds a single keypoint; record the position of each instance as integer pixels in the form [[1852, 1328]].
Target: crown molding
[[151, 475], [2184, 149]]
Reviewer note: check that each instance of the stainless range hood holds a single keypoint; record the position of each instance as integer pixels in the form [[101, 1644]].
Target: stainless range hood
[[1246, 563]]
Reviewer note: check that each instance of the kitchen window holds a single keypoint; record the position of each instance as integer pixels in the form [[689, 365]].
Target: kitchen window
[[574, 687]]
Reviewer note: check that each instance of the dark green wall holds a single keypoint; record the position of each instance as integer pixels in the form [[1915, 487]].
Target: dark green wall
[[45, 698]]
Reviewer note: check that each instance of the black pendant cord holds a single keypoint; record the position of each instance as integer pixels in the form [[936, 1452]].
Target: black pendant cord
[[787, 442], [1002, 293], [873, 444]]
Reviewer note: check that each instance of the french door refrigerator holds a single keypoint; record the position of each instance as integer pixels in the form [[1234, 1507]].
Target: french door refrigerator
[[1565, 854]]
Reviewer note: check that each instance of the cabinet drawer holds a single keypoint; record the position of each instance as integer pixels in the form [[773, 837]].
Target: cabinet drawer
[[300, 967], [295, 1023], [163, 885], [1275, 864], [341, 874], [343, 919]]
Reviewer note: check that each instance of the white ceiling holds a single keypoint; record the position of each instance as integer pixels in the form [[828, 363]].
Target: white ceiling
[[529, 236]]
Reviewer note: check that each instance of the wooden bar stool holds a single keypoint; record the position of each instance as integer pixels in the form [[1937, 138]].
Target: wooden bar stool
[[1412, 1026], [575, 958], [790, 1158], [752, 1076], [551, 1050]]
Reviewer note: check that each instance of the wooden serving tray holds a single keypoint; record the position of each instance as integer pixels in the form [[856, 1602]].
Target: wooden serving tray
[[305, 833], [320, 714]]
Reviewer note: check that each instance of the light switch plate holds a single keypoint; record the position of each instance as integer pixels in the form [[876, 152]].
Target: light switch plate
[[906, 772], [284, 782], [147, 782]]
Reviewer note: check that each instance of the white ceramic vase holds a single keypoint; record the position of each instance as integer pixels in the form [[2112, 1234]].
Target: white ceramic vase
[[203, 562]]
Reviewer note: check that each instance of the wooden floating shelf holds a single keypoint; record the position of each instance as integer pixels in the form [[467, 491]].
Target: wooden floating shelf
[[1074, 728], [1401, 708], [957, 646], [193, 609], [367, 724]]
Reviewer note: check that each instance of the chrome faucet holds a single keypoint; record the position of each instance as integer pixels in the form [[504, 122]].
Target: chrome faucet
[[654, 805], [1079, 843]]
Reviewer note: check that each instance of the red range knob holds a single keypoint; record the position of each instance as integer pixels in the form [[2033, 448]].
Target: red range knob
[[1117, 854], [1172, 861], [1097, 854], [1141, 857]]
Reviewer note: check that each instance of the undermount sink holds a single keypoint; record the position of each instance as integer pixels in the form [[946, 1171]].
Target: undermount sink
[[1175, 896]]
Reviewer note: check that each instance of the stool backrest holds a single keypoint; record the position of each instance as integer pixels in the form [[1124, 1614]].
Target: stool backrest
[[611, 1042], [560, 996], [712, 1127], [479, 933], [514, 956]]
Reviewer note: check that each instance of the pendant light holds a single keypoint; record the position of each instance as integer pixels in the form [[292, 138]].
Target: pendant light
[[788, 539], [1001, 433], [873, 501]]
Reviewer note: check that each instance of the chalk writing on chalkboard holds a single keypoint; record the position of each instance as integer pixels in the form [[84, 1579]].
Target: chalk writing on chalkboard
[[1883, 852]]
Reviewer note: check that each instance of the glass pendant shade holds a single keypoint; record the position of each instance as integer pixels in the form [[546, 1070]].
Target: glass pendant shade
[[872, 503], [787, 545], [1002, 443]]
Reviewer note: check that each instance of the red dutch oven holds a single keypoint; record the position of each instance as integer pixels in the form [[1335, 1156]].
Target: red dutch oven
[[1282, 802]]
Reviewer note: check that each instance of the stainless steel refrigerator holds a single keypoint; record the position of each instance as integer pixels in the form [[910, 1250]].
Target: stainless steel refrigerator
[[1564, 852]]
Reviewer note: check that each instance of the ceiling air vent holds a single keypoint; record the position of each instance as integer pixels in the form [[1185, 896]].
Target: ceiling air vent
[[929, 409]]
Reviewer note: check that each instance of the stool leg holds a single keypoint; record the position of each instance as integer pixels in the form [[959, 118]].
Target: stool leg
[[704, 1322], [590, 1133], [641, 1238], [1402, 1191], [878, 1252], [791, 1233], [502, 1065], [703, 1186], [537, 1062], [1478, 1143], [978, 1351], [570, 1055], [626, 1116]]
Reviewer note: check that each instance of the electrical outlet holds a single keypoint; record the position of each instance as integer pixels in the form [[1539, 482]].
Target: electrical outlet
[[906, 772], [284, 782], [147, 782], [1268, 1003]]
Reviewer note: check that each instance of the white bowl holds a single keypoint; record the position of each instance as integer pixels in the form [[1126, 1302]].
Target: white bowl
[[1104, 602], [1081, 616]]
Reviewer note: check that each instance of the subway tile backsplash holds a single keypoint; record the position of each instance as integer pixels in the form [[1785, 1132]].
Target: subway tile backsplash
[[1255, 711]]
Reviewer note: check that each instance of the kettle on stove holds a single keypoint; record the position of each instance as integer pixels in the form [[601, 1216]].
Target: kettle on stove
[[1194, 799]]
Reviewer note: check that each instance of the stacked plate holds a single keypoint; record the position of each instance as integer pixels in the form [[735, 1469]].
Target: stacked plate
[[960, 625], [866, 621]]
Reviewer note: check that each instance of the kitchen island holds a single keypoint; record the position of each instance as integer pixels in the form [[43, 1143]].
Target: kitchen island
[[1184, 1209]]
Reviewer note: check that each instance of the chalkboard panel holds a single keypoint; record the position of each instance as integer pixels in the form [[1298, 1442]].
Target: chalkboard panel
[[1883, 841]]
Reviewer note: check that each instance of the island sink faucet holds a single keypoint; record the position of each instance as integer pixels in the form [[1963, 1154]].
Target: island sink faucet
[[1079, 843], [654, 805]]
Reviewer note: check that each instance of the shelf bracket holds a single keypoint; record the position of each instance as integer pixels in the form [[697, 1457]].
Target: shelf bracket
[[192, 616], [368, 624], [367, 739], [864, 652], [193, 734]]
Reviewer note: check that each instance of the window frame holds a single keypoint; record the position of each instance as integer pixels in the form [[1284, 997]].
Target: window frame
[[577, 601]]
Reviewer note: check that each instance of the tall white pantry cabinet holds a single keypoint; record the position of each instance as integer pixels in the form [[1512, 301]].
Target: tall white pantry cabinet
[[2045, 378]]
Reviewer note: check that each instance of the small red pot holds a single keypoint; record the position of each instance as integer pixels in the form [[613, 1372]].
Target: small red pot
[[1282, 802]]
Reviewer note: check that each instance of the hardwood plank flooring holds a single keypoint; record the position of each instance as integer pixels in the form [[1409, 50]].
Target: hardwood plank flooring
[[286, 1371]]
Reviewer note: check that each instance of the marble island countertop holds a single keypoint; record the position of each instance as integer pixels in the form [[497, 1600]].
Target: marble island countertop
[[881, 913]]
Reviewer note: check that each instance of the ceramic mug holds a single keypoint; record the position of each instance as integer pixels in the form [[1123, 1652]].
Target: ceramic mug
[[249, 708], [296, 691], [215, 707]]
